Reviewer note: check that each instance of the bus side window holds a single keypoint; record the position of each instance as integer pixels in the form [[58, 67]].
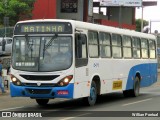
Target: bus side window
[[105, 44], [152, 49], [116, 45], [136, 47], [81, 50]]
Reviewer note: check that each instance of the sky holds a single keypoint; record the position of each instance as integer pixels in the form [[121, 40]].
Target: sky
[[151, 13]]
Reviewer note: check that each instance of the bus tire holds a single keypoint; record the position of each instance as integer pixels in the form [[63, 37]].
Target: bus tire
[[126, 93], [135, 91], [91, 100], [42, 102], [136, 87]]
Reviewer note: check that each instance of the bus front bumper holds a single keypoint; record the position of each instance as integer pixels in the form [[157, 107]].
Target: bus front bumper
[[42, 92]]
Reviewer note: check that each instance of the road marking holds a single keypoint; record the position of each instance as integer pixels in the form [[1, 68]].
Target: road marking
[[63, 100], [137, 102], [67, 118], [12, 108]]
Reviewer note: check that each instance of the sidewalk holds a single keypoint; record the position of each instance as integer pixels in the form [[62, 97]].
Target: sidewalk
[[7, 92], [6, 83]]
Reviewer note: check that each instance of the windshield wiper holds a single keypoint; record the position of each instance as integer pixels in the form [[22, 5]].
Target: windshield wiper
[[50, 42], [28, 45], [27, 41]]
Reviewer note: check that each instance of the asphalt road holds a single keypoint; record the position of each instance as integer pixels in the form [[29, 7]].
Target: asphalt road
[[113, 106]]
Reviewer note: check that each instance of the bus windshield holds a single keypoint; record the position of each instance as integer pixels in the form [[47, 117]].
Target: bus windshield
[[42, 53]]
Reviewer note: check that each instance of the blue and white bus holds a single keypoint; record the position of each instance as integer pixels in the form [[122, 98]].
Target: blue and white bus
[[55, 58]]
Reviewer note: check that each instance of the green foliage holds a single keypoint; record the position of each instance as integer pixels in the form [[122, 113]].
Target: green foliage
[[16, 10], [138, 24]]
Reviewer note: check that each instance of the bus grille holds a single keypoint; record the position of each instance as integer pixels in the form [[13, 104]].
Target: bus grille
[[42, 85], [39, 77], [38, 91]]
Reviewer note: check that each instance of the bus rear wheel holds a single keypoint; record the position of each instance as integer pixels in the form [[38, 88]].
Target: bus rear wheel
[[136, 87], [42, 102], [91, 100], [135, 91]]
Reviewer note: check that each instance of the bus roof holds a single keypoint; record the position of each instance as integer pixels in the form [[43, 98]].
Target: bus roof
[[96, 27]]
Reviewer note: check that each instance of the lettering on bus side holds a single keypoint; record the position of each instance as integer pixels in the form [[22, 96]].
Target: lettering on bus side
[[117, 85]]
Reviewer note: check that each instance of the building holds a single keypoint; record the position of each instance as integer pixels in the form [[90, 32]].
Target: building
[[79, 10], [120, 16]]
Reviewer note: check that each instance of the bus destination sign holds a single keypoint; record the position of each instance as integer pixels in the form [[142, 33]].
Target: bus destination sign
[[40, 28]]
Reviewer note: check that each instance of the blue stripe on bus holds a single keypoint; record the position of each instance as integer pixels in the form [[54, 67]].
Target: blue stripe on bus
[[22, 91], [148, 72]]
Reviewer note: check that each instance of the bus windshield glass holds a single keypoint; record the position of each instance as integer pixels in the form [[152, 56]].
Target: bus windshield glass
[[37, 53]]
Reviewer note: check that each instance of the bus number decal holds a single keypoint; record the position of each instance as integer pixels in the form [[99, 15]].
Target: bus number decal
[[117, 85], [96, 65]]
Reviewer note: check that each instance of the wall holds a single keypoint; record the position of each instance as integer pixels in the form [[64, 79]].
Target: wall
[[127, 14], [115, 24], [44, 9], [99, 16]]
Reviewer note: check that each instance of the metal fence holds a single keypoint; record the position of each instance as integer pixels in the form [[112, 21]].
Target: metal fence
[[8, 31]]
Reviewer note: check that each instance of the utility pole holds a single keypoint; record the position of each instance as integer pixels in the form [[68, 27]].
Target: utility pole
[[120, 16], [121, 4], [142, 20], [6, 19], [6, 23]]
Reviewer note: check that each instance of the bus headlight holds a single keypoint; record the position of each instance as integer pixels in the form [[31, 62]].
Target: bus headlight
[[15, 80], [65, 81]]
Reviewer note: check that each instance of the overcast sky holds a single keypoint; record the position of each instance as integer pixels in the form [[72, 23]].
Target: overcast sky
[[150, 14]]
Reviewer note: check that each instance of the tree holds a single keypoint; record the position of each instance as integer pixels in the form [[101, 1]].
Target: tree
[[16, 10], [138, 24]]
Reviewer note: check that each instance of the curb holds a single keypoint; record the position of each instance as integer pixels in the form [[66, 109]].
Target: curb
[[4, 94]]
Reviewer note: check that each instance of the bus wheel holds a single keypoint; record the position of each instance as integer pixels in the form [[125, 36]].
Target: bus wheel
[[42, 102], [126, 93], [91, 100], [136, 87], [135, 91]]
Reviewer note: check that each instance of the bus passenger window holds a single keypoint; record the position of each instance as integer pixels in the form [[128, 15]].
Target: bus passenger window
[[93, 44], [136, 47], [127, 51], [81, 50], [116, 46], [144, 48], [105, 48], [152, 49]]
